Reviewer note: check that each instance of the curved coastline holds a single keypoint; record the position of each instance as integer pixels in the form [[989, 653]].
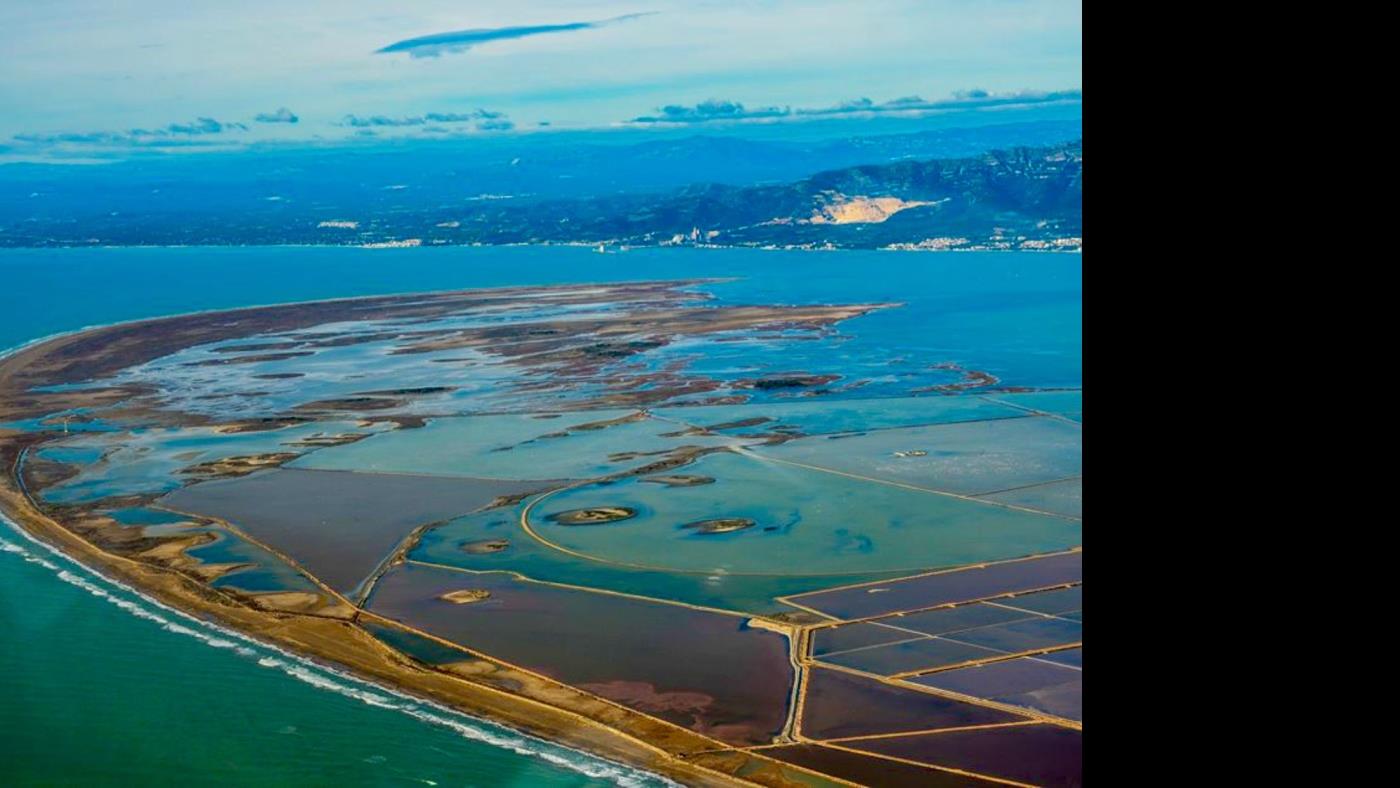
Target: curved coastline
[[650, 745], [317, 674]]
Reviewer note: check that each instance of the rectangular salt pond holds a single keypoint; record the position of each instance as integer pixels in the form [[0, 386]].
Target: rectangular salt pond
[[955, 619], [926, 654], [512, 447], [871, 771], [839, 704], [942, 588], [1030, 682], [1044, 755], [1062, 497], [1028, 635], [853, 636], [1054, 603], [1071, 657], [938, 638], [1069, 404], [969, 458]]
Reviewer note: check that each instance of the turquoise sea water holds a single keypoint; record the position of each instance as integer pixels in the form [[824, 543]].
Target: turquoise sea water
[[99, 687], [93, 692]]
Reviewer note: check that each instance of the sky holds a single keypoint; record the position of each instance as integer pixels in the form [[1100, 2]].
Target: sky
[[198, 74]]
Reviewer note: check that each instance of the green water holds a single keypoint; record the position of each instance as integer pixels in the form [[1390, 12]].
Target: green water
[[94, 693]]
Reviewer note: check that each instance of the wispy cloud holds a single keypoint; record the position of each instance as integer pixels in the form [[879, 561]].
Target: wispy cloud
[[282, 115], [715, 110], [172, 135], [455, 41], [194, 127], [484, 120], [367, 121]]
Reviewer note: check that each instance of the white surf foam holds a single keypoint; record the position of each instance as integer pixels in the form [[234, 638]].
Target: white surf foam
[[315, 674], [306, 670]]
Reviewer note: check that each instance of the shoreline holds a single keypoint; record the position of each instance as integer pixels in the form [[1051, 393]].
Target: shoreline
[[218, 635], [572, 721], [572, 245], [350, 650]]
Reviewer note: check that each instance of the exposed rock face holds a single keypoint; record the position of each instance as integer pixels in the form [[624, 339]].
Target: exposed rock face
[[861, 210]]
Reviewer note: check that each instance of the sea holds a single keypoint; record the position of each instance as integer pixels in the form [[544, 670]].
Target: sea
[[100, 686]]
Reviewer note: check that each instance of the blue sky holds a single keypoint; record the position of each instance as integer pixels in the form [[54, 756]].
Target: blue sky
[[197, 73]]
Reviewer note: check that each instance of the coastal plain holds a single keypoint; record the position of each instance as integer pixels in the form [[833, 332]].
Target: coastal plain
[[583, 510]]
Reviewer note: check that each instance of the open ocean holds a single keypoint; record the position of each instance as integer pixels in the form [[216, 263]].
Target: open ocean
[[98, 686]]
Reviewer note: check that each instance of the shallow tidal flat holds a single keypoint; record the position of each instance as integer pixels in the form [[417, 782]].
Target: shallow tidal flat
[[745, 523], [581, 445]]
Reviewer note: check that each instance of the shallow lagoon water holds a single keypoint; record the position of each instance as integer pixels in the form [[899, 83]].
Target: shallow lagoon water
[[972, 308], [811, 417], [969, 458], [512, 447], [148, 461], [806, 522], [739, 593]]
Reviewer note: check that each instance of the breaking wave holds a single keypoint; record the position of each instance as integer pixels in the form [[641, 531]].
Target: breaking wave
[[317, 675]]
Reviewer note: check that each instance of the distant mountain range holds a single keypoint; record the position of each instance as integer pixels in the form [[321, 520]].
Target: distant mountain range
[[1018, 197], [999, 199]]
